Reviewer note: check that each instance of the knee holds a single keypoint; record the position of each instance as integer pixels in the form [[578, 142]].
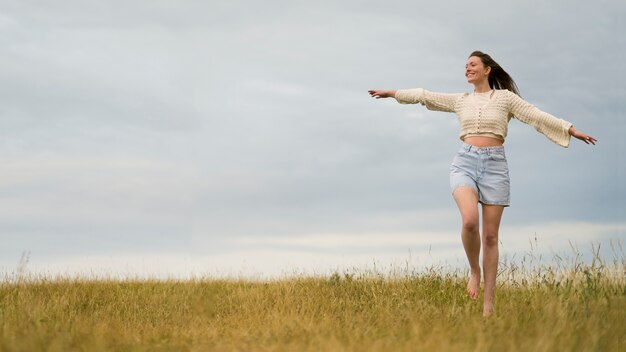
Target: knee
[[490, 238], [470, 224]]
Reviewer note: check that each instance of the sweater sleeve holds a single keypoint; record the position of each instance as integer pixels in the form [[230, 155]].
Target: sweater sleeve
[[555, 129], [432, 101]]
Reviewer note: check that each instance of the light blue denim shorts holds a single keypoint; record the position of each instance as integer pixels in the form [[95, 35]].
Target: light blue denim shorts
[[483, 169]]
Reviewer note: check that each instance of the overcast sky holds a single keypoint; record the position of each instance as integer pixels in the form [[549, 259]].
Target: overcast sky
[[238, 137]]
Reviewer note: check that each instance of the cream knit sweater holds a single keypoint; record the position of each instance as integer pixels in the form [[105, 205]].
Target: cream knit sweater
[[492, 118]]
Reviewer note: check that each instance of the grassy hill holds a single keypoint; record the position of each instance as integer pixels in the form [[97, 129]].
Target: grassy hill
[[581, 308]]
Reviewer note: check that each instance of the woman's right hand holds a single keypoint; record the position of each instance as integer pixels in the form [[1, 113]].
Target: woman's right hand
[[379, 93]]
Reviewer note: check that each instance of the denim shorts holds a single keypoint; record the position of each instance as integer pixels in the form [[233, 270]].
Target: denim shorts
[[483, 169]]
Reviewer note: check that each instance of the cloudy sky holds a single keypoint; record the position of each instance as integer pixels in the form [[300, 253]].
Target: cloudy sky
[[238, 138]]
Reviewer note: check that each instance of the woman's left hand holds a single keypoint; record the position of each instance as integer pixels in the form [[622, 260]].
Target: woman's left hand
[[582, 136]]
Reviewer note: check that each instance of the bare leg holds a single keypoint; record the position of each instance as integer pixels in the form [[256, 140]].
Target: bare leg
[[491, 224], [467, 201]]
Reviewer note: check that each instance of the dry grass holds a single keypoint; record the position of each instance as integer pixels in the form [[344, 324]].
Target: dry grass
[[580, 308]]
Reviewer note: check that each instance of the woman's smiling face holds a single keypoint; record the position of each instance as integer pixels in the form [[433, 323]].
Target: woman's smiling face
[[475, 70]]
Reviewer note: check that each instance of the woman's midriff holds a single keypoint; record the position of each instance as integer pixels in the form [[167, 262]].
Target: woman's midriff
[[483, 141]]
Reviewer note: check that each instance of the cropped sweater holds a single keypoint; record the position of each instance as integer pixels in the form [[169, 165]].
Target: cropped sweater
[[492, 118]]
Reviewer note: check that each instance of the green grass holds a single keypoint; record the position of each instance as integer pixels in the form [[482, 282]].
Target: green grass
[[578, 308]]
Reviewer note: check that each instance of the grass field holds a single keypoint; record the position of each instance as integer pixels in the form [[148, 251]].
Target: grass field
[[574, 308]]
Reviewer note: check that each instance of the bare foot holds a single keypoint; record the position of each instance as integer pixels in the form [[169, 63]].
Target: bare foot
[[473, 286], [487, 311]]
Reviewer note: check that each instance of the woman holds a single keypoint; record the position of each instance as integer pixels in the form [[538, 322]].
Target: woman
[[479, 172]]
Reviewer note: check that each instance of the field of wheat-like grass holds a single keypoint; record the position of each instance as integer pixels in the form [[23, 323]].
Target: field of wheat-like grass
[[545, 308]]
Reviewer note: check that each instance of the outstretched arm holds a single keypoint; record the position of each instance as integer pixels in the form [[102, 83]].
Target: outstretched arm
[[432, 101], [582, 136], [556, 129], [379, 93]]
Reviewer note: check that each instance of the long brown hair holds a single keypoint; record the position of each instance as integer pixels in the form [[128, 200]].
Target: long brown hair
[[498, 78]]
